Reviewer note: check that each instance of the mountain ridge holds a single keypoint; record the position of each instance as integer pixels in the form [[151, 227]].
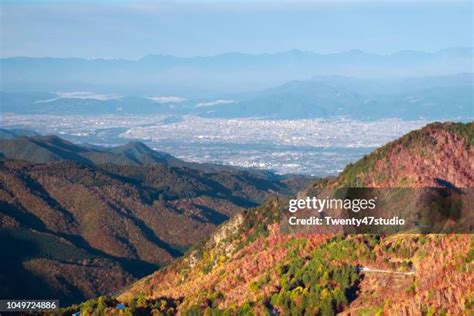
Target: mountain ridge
[[462, 50], [442, 97], [128, 217], [49, 148], [249, 266], [362, 99], [201, 75]]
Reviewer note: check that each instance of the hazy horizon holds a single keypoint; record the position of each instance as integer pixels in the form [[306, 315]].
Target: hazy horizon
[[134, 29], [293, 50]]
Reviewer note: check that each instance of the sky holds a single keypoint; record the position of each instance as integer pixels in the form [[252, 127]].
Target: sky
[[133, 29]]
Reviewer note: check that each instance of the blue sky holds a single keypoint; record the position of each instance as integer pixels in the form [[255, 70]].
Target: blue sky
[[132, 29]]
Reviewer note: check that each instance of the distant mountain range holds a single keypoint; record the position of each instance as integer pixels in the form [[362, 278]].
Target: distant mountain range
[[50, 103], [446, 97], [226, 73], [81, 221], [433, 98]]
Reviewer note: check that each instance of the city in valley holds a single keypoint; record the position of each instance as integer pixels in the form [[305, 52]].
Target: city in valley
[[317, 147]]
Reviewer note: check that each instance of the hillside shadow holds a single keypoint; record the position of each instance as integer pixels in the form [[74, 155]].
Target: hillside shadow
[[16, 281], [65, 151], [135, 267], [36, 187], [210, 215], [22, 216]]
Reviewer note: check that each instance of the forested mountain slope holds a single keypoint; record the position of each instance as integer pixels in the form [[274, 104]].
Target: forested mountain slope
[[75, 228], [249, 265]]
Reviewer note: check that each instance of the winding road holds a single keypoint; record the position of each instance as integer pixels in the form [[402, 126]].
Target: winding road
[[367, 269]]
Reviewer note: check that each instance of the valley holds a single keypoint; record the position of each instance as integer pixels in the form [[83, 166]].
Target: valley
[[69, 213], [318, 147]]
